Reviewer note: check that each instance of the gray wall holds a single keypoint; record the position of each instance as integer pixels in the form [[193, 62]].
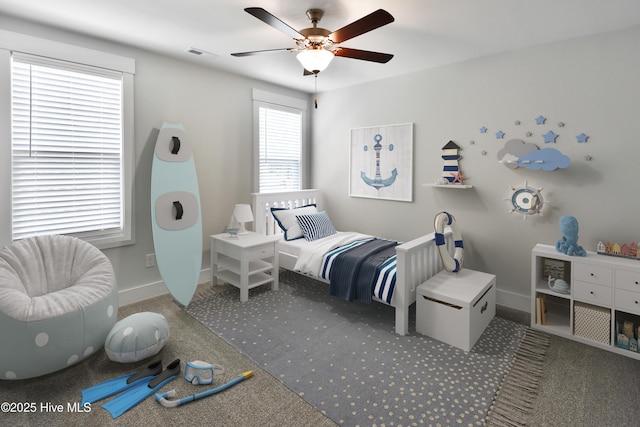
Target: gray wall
[[216, 110], [591, 84]]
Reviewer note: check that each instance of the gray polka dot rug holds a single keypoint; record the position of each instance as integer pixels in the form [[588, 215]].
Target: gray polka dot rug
[[346, 360]]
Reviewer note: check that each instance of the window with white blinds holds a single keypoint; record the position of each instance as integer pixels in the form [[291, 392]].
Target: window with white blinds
[[280, 148], [67, 149]]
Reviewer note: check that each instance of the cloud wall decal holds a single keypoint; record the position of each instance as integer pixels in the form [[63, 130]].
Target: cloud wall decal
[[513, 150], [547, 159]]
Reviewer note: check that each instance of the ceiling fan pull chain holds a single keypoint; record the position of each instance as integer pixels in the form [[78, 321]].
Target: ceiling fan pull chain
[[315, 98]]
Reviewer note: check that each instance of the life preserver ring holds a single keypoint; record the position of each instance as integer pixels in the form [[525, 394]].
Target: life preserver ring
[[452, 264]]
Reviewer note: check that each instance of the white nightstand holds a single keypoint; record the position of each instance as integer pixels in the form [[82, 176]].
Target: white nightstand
[[244, 261]]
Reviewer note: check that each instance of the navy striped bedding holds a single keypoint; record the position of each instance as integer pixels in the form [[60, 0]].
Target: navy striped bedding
[[384, 280]]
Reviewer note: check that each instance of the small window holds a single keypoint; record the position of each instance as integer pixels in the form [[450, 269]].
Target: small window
[[69, 173], [280, 149], [280, 144]]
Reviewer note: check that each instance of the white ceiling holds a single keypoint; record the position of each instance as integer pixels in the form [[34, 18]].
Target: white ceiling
[[425, 34]]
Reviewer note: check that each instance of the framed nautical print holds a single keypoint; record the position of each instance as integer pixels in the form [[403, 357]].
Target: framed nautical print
[[381, 162]]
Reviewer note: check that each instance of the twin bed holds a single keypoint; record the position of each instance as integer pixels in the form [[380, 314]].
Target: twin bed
[[400, 270]]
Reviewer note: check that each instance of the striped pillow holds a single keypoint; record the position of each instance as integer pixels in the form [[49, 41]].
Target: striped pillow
[[316, 226]]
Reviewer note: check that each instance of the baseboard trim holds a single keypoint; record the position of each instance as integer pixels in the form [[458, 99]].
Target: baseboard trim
[[155, 289], [152, 290], [513, 300]]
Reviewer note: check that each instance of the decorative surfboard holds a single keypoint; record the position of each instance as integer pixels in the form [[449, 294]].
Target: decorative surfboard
[[175, 213]]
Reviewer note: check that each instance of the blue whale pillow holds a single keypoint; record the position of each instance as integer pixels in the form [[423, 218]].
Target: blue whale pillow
[[137, 337]]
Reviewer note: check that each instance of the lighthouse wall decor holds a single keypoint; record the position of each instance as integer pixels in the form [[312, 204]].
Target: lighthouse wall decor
[[451, 169], [452, 176], [381, 162]]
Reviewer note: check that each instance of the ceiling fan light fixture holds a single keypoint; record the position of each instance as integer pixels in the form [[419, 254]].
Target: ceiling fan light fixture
[[315, 60]]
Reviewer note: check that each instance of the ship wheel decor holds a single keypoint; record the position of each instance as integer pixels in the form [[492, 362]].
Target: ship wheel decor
[[526, 200]]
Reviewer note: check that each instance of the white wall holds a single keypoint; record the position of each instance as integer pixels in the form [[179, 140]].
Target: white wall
[[216, 110], [591, 84]]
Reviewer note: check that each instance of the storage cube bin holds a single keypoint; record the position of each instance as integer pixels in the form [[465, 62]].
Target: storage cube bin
[[592, 322], [455, 308]]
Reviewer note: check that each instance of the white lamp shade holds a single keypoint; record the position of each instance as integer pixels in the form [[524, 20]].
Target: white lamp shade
[[315, 60], [242, 213]]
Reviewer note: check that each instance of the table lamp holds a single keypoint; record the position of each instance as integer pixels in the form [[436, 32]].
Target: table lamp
[[242, 214]]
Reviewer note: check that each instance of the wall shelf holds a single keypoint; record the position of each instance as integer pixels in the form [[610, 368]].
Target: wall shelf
[[456, 186]]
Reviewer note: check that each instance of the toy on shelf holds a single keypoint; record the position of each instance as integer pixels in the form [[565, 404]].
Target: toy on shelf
[[615, 249], [558, 285], [569, 242]]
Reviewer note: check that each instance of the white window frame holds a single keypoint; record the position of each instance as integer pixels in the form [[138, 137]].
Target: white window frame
[[15, 42], [266, 99]]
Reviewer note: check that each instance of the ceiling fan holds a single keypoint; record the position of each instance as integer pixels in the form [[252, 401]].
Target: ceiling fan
[[316, 46]]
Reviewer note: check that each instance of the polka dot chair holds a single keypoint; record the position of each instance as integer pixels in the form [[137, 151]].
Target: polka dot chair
[[58, 302]]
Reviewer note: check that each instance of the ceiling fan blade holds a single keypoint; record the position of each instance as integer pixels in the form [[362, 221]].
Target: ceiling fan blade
[[365, 55], [269, 19], [363, 25], [257, 52], [307, 72]]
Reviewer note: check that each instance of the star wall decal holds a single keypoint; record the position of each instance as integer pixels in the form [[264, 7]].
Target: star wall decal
[[582, 137], [550, 137], [500, 134], [540, 120], [517, 122], [529, 134], [483, 129]]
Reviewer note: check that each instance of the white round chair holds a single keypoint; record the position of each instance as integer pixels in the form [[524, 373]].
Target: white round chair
[[58, 302]]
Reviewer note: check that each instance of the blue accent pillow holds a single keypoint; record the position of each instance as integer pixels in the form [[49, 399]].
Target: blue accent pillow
[[288, 222], [316, 226]]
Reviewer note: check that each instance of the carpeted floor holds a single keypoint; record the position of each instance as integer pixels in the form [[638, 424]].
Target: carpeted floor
[[581, 386], [257, 402], [345, 359]]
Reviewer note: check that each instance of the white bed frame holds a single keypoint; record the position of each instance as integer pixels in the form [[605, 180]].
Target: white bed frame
[[418, 259]]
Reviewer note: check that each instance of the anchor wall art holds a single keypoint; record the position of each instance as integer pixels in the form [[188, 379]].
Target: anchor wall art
[[381, 164]]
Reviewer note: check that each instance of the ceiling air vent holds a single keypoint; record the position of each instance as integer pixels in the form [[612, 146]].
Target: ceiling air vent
[[200, 52]]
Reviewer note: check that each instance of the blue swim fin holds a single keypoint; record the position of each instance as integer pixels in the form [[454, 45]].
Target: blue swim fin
[[116, 385], [132, 397]]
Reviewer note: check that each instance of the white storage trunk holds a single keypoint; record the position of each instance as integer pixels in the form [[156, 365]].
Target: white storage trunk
[[455, 308]]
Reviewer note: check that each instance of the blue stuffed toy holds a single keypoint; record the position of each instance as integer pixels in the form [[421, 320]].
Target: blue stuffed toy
[[569, 242]]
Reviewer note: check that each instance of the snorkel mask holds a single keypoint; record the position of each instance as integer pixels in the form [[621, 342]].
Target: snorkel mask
[[199, 372]]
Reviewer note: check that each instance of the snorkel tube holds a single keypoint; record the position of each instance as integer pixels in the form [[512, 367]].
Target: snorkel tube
[[163, 398]]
